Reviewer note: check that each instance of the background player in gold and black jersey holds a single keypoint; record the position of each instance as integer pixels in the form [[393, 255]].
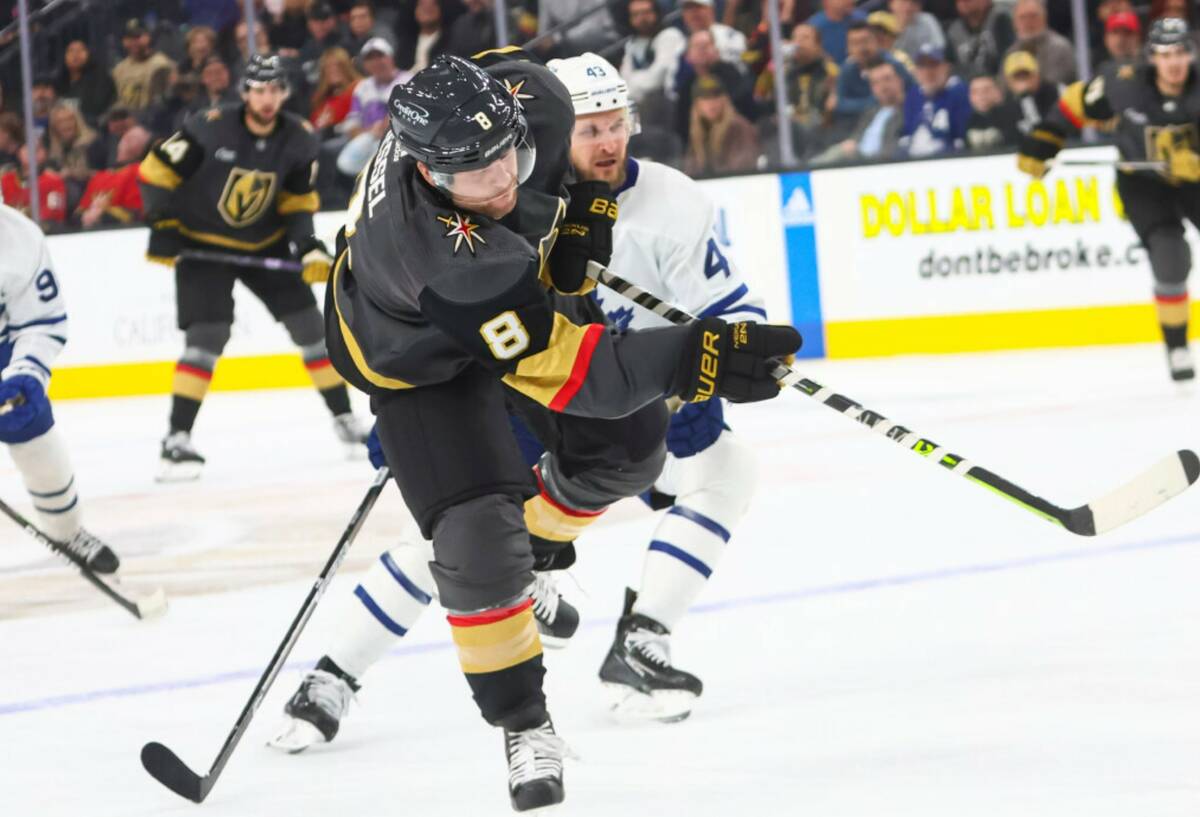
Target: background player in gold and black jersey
[[440, 308], [238, 181], [1153, 113]]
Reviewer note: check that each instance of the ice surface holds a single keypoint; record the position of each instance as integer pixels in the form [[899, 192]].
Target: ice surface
[[882, 639]]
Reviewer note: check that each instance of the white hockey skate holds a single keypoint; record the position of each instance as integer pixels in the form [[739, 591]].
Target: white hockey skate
[[1179, 361], [315, 712], [179, 461]]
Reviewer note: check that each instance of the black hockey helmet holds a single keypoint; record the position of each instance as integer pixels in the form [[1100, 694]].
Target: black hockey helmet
[[456, 118], [1169, 32], [263, 69]]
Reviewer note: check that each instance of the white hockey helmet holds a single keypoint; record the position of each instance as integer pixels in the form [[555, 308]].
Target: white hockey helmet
[[594, 84]]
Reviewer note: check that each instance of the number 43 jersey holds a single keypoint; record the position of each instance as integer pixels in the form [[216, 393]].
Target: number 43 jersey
[[666, 242], [33, 317]]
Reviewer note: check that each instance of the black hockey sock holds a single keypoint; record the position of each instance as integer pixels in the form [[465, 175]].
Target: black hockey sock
[[337, 399], [1175, 336], [327, 665], [183, 412], [188, 388]]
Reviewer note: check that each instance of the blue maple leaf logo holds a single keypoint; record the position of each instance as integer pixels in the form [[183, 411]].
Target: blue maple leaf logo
[[621, 318]]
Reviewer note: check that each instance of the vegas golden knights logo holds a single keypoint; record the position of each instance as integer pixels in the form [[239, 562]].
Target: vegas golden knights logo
[[247, 195]]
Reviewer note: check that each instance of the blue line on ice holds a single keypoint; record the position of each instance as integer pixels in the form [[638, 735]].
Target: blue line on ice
[[841, 588]]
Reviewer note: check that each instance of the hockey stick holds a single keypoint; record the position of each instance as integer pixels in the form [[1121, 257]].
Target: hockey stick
[[165, 766], [1162, 481], [278, 264], [150, 606]]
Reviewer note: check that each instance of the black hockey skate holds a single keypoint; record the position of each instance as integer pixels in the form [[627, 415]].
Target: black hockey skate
[[315, 712], [535, 767], [98, 556], [179, 460], [557, 619], [638, 671], [1179, 361]]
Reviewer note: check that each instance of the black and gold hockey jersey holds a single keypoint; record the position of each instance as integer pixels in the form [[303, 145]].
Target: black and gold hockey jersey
[[1125, 102], [214, 182], [422, 290]]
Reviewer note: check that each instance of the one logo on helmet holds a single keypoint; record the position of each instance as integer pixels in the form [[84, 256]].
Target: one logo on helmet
[[462, 230], [246, 197], [413, 114], [517, 92]]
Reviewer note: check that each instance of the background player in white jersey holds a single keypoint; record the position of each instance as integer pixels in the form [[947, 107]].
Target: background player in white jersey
[[707, 483], [33, 330], [665, 242]]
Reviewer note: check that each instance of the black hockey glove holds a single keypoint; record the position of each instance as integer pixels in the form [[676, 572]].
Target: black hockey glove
[[315, 257], [585, 235], [1038, 148], [733, 360]]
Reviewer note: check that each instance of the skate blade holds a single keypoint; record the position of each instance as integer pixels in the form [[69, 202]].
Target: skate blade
[[178, 471], [295, 736], [551, 642], [627, 705]]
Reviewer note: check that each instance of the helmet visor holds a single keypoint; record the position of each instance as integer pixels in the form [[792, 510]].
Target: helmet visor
[[472, 188]]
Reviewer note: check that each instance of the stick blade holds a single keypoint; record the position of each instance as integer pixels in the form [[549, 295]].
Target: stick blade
[[166, 767], [1164, 480], [152, 606]]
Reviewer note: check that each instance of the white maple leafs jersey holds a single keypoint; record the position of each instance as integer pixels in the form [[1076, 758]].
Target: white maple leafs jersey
[[33, 317], [665, 242]]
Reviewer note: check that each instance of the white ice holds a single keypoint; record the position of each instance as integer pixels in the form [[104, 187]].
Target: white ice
[[883, 638]]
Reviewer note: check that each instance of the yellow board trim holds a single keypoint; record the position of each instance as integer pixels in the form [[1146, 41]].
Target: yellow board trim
[[941, 334], [135, 379], [947, 334]]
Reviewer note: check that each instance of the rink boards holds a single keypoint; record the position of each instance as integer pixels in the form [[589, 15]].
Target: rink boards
[[921, 257]]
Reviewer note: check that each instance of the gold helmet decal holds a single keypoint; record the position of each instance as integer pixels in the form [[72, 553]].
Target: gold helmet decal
[[246, 197]]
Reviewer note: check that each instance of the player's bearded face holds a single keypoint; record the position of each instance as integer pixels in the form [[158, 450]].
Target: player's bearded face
[[599, 144], [264, 101], [490, 190]]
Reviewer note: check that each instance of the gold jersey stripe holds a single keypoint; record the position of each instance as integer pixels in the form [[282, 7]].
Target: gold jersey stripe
[[220, 240], [360, 361], [541, 376], [155, 171], [287, 202]]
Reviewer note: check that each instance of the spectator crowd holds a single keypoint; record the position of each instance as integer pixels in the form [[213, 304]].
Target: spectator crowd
[[878, 79]]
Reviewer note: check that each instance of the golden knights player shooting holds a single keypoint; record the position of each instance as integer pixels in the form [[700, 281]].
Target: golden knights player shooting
[[450, 303], [1152, 112], [231, 190]]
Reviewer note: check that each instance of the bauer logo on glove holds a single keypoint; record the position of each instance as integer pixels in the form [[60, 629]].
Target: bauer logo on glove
[[734, 360]]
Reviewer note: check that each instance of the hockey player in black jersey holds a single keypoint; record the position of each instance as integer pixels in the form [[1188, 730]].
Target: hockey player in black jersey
[[239, 180], [1153, 112], [440, 307]]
